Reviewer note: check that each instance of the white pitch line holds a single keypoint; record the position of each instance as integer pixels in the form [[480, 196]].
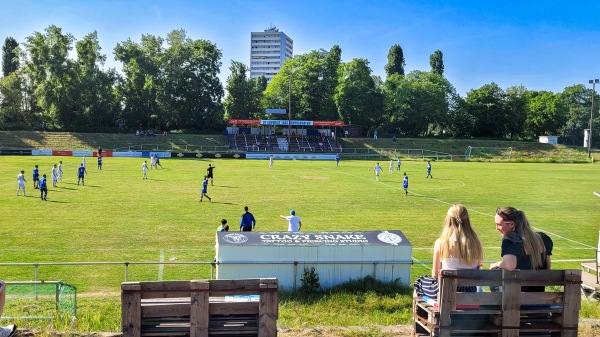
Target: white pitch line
[[161, 267], [450, 203]]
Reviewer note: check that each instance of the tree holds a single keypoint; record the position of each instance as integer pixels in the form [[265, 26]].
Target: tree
[[486, 105], [189, 85], [314, 80], [395, 64], [547, 113], [10, 59], [577, 99], [436, 60], [11, 101], [51, 75], [243, 94], [516, 111], [357, 98], [173, 87], [96, 101], [418, 103]]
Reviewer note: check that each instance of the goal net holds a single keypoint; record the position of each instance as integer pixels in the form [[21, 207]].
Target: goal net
[[488, 152], [40, 300]]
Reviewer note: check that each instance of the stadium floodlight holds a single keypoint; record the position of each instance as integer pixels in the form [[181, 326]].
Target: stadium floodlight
[[593, 83]]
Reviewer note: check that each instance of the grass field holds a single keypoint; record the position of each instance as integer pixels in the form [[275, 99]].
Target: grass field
[[119, 217]]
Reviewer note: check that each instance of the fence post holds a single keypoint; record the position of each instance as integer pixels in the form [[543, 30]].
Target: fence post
[[35, 278], [126, 270]]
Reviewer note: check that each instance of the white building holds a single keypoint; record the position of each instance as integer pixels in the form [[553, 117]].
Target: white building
[[268, 52]]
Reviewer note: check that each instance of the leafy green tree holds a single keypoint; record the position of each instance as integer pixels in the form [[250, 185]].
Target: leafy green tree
[[516, 111], [262, 82], [486, 105], [243, 94], [10, 59], [418, 104], [140, 86], [547, 113], [189, 83], [96, 101], [11, 102], [436, 60], [359, 100], [461, 122], [395, 64], [52, 75], [313, 84], [577, 99]]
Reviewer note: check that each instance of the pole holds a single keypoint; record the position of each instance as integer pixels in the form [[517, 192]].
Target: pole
[[290, 112], [593, 82]]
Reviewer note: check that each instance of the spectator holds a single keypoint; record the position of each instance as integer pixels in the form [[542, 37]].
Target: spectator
[[224, 227], [9, 330], [522, 248], [247, 222], [458, 247], [294, 223]]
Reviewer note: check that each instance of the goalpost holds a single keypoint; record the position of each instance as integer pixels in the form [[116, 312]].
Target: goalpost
[[488, 152]]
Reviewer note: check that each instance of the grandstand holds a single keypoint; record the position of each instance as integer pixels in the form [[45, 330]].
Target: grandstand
[[358, 148]]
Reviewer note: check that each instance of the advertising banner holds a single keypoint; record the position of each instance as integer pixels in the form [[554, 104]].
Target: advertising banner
[[370, 238]]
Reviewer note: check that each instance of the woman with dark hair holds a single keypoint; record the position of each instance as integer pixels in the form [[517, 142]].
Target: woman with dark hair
[[522, 248]]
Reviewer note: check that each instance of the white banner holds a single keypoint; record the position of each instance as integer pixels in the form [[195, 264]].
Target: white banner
[[41, 152]]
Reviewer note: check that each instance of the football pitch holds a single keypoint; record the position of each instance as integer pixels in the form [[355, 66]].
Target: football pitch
[[118, 217]]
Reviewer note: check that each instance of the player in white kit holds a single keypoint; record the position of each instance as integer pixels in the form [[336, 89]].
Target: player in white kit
[[21, 182]]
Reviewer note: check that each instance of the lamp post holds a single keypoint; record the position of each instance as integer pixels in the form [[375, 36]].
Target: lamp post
[[290, 74], [593, 83]]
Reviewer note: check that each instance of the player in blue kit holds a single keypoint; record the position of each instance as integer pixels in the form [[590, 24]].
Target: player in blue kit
[[81, 172], [99, 162], [36, 177], [429, 170], [204, 189], [405, 184], [337, 159], [43, 188]]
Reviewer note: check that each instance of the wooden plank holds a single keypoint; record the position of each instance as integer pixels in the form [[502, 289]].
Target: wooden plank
[[447, 296], [267, 310], [131, 310], [199, 311], [234, 308], [511, 289], [569, 320], [165, 310]]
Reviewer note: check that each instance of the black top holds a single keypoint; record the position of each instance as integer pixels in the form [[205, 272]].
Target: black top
[[512, 244]]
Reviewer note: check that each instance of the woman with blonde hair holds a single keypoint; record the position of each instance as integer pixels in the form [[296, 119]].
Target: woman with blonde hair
[[522, 248], [458, 247]]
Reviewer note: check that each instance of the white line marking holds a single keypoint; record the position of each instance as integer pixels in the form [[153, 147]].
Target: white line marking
[[161, 267], [471, 211]]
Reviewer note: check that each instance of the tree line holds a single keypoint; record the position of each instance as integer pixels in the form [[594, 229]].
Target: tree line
[[172, 84]]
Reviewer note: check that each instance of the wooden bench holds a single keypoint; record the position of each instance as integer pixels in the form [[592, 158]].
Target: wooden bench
[[200, 308], [507, 313]]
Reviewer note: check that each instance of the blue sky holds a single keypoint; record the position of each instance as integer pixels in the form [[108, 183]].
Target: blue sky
[[542, 45]]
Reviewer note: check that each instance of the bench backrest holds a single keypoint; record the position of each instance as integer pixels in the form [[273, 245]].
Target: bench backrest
[[199, 301], [567, 298]]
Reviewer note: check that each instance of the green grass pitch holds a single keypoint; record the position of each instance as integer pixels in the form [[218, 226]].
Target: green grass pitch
[[119, 217]]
